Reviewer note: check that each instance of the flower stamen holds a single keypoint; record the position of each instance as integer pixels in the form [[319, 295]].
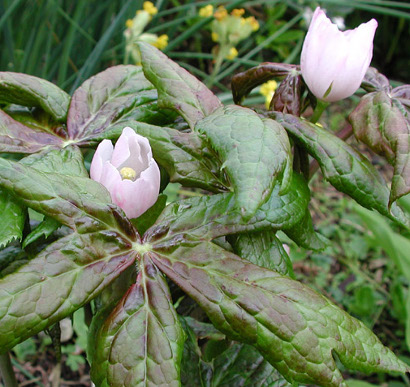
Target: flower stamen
[[128, 173]]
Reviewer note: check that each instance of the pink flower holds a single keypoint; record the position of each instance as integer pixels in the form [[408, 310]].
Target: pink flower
[[333, 62], [128, 171]]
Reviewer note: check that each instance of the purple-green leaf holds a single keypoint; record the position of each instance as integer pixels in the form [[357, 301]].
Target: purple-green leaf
[[177, 88], [62, 278], [18, 138], [344, 167], [243, 83], [255, 154], [296, 329], [141, 342], [27, 90], [119, 93], [379, 122]]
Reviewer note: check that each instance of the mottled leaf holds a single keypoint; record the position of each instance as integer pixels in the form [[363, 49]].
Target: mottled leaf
[[13, 216], [255, 153], [263, 249], [375, 81], [177, 88], [120, 93], [141, 342], [27, 90], [208, 217], [62, 278], [296, 329], [244, 82], [17, 138], [379, 123], [345, 168], [185, 156]]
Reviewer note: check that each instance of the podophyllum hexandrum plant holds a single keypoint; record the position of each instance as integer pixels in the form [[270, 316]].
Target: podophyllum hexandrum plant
[[254, 166]]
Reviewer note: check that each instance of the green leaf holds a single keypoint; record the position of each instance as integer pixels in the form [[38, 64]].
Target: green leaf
[[380, 124], [11, 257], [345, 168], [67, 161], [26, 90], [304, 235], [244, 82], [17, 138], [185, 156], [243, 365], [141, 342], [264, 249], [62, 278], [13, 216], [177, 88], [208, 217], [296, 329], [120, 93], [255, 153], [44, 229], [77, 202]]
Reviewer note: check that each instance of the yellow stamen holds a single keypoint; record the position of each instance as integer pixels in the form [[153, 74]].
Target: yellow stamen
[[206, 11], [253, 23], [268, 90], [237, 12], [233, 53], [150, 8], [128, 173]]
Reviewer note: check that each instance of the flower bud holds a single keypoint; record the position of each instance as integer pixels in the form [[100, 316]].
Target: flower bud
[[128, 171], [333, 63]]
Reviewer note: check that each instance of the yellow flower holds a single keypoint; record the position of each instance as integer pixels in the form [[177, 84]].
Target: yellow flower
[[221, 13], [206, 11], [238, 12], [233, 53], [129, 23], [252, 22], [150, 8], [268, 90], [162, 42], [215, 37]]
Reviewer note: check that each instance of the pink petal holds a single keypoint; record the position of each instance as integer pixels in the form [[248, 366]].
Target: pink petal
[[101, 155]]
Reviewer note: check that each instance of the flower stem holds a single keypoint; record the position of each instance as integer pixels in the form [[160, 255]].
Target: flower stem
[[319, 109], [6, 371]]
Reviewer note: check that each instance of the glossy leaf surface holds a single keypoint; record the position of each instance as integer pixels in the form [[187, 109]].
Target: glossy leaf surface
[[379, 122], [255, 153], [177, 88], [62, 278], [116, 93], [295, 328], [208, 217], [18, 138], [141, 341], [345, 168], [27, 90]]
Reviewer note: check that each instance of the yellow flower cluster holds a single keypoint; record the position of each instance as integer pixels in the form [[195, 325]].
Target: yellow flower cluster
[[135, 32], [268, 90], [228, 29]]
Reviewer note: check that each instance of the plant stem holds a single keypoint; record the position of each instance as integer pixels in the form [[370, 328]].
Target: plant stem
[[217, 67], [320, 108], [6, 371]]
